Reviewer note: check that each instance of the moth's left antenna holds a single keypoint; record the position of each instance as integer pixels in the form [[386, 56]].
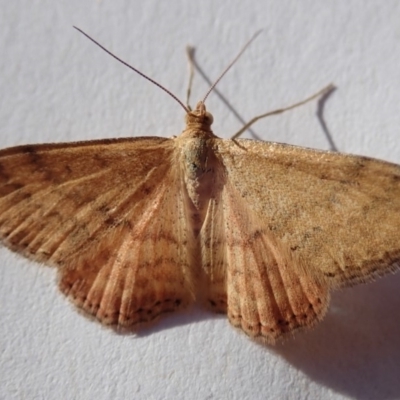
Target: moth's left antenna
[[134, 69]]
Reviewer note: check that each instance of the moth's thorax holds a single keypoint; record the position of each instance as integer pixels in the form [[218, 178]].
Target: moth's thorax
[[198, 162]]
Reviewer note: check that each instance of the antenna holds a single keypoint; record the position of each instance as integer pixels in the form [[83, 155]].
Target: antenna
[[231, 64], [134, 69]]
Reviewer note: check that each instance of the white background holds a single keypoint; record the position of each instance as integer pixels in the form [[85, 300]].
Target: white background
[[57, 86]]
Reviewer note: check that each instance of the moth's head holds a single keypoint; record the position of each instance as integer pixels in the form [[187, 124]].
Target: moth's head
[[199, 116]]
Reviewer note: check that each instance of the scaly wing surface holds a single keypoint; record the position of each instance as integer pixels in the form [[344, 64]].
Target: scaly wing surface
[[293, 224], [109, 214]]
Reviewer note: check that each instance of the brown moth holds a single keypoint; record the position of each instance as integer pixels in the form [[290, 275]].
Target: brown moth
[[262, 231]]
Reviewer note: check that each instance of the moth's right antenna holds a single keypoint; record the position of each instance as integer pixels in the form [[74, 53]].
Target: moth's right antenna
[[231, 64]]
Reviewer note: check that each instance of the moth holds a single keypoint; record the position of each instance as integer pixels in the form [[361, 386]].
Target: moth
[[261, 231]]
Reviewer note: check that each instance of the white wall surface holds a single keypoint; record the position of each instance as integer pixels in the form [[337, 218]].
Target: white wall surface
[[56, 86]]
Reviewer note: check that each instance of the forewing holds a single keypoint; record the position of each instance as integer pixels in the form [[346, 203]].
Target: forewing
[[109, 214], [339, 214]]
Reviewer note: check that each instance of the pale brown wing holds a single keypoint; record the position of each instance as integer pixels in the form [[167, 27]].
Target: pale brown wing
[[261, 284], [340, 213], [297, 223], [109, 214]]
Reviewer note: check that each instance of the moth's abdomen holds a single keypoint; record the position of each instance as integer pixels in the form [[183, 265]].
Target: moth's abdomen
[[199, 167]]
